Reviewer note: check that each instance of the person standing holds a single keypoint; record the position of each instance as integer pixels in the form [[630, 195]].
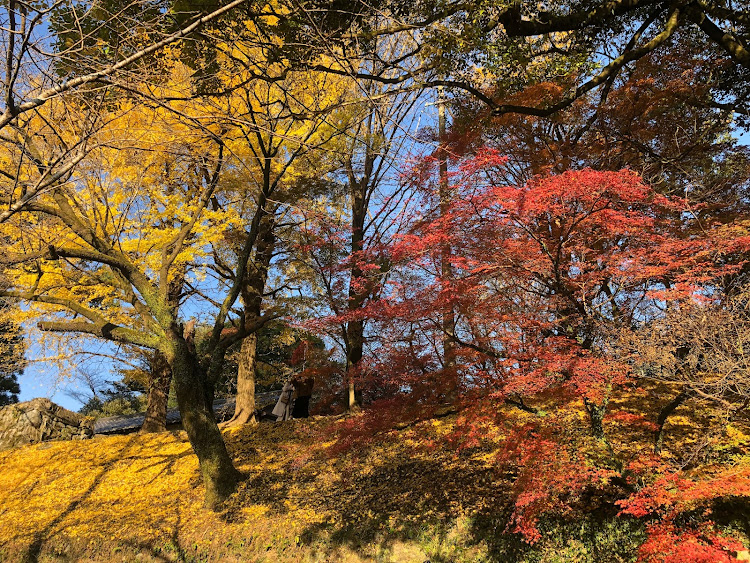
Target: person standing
[[283, 408], [303, 391]]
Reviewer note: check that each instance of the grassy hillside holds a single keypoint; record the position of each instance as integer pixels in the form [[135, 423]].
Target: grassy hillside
[[409, 497]]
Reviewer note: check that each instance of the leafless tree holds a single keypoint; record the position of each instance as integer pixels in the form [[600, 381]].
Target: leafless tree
[[702, 353]]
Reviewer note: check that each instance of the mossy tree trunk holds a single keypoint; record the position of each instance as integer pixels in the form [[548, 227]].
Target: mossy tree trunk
[[244, 409], [158, 394], [217, 470], [161, 372]]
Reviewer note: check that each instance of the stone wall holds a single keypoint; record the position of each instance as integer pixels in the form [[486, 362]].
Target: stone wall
[[41, 420]]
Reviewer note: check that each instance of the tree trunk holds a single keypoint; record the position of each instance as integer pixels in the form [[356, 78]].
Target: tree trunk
[[252, 298], [355, 350], [352, 398], [161, 372], [219, 475], [158, 395], [596, 414], [355, 329], [244, 409], [664, 414], [596, 418], [449, 385]]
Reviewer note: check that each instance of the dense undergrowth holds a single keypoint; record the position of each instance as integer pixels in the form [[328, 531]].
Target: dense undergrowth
[[409, 489]]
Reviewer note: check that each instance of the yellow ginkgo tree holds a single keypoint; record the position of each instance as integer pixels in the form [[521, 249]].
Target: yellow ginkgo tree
[[277, 132], [169, 186], [102, 253]]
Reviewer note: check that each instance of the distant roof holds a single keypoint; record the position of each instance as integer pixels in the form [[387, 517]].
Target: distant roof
[[123, 424]]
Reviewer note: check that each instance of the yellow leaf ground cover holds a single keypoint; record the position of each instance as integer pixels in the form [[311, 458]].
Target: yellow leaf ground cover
[[115, 498], [138, 497]]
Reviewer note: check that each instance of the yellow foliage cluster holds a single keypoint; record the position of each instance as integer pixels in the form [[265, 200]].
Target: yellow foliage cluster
[[164, 185]]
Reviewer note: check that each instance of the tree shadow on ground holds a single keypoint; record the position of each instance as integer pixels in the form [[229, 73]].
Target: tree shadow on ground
[[39, 539], [399, 500], [376, 500]]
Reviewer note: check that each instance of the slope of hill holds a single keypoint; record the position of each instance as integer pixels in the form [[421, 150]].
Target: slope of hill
[[312, 494]]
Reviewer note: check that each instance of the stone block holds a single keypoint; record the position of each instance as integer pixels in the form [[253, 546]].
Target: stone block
[[41, 420]]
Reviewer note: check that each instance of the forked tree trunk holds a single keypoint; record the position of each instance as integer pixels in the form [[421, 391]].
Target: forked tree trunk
[[161, 372], [244, 410], [158, 395], [219, 475]]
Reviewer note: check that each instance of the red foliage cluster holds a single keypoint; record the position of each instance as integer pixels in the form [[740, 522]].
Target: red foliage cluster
[[553, 475], [667, 543], [542, 277], [672, 494], [536, 271]]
